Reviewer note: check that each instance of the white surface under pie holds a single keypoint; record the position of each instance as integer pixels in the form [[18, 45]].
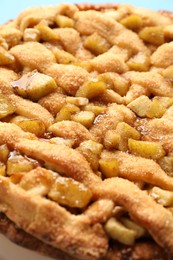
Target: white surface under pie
[[10, 251]]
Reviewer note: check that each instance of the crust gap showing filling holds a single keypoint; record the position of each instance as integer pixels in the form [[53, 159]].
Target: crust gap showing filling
[[86, 132]]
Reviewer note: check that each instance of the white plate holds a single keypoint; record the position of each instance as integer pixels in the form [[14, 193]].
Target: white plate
[[10, 251]]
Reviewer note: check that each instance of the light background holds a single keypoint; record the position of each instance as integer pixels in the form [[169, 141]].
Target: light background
[[9, 9]]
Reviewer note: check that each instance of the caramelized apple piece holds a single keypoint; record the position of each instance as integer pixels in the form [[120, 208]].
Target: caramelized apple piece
[[110, 96], [66, 111], [62, 56], [84, 64], [17, 163], [35, 126], [125, 132], [64, 21], [6, 108], [2, 169], [109, 168], [168, 73], [140, 231], [31, 35], [144, 107], [85, 118], [91, 89], [69, 192], [133, 22], [119, 232], [34, 85], [96, 109], [95, 147], [4, 153], [163, 197], [151, 150], [37, 181], [166, 163], [46, 33], [5, 57], [96, 44], [77, 101], [140, 105], [164, 102], [91, 151], [139, 62], [153, 35], [111, 140], [16, 177], [156, 109], [115, 82]]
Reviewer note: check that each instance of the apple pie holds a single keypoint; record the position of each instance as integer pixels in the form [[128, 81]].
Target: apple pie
[[86, 132]]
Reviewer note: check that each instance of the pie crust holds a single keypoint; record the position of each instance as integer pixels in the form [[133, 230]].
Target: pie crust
[[86, 150]]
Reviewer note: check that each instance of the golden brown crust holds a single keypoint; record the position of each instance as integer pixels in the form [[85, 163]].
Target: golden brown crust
[[159, 221], [155, 225], [78, 235], [142, 250], [97, 7], [20, 237], [167, 13]]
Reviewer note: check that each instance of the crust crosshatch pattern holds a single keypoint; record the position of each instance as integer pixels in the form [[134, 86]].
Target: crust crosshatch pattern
[[86, 132]]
